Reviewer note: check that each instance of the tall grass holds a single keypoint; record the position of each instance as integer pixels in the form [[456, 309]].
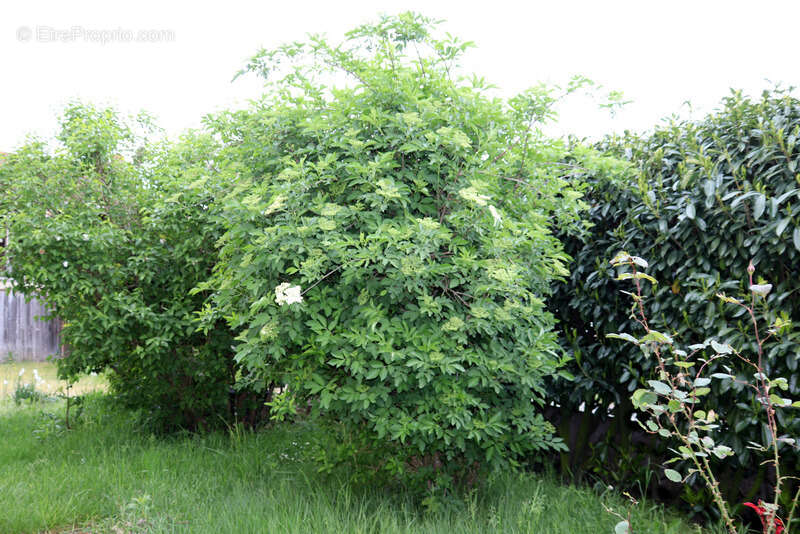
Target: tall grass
[[106, 476]]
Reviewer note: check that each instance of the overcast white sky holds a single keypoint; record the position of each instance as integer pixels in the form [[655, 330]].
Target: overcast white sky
[[659, 53]]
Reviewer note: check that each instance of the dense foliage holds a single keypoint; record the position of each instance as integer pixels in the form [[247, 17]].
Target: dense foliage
[[378, 242], [113, 233], [708, 197], [412, 214]]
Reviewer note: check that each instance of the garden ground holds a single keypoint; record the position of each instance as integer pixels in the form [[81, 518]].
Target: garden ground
[[15, 373], [105, 476]]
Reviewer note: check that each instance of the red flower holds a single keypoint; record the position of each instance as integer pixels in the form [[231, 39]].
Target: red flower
[[763, 515]]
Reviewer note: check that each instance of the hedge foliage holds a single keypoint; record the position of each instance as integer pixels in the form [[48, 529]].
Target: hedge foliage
[[111, 232], [386, 244], [705, 198]]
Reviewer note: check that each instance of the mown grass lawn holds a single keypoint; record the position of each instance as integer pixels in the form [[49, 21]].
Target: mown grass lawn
[[23, 373], [105, 475]]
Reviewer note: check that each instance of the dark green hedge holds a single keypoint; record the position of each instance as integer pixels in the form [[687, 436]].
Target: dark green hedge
[[704, 198]]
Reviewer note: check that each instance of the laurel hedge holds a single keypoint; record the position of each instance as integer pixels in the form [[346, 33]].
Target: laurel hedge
[[702, 200]]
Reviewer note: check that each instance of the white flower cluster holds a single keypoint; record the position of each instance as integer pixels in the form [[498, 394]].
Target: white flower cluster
[[471, 194], [496, 215], [276, 205], [39, 379], [287, 294]]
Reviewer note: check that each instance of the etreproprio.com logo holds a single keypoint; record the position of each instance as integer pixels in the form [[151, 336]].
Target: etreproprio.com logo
[[81, 34]]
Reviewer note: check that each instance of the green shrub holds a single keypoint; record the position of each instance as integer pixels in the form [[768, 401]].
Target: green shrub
[[414, 214], [708, 197], [673, 404], [111, 231]]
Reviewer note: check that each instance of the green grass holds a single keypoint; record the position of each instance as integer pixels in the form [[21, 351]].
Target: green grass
[[104, 476], [23, 372]]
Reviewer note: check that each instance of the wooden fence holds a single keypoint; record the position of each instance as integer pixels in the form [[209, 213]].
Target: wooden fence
[[23, 336]]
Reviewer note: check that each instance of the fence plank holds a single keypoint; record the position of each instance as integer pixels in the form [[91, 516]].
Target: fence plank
[[24, 335]]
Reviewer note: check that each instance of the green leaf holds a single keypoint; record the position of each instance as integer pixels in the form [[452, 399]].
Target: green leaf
[[660, 387], [721, 451], [673, 475], [566, 375], [786, 195], [740, 198], [721, 348], [645, 276], [722, 376], [637, 275], [778, 401], [761, 289], [708, 187], [623, 527], [690, 211], [621, 258], [623, 336], [781, 226], [796, 238], [657, 337], [781, 383], [642, 398], [758, 207]]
